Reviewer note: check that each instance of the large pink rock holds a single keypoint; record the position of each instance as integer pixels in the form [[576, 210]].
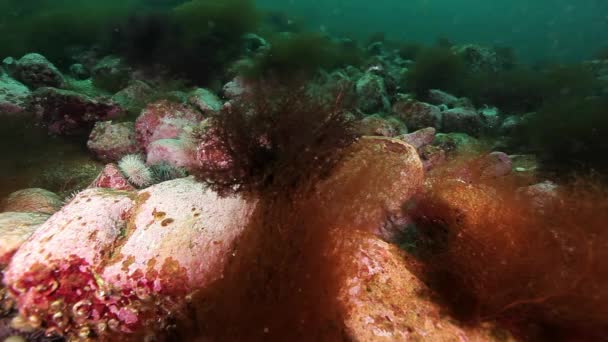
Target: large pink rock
[[164, 120], [111, 178], [176, 152], [114, 261], [34, 200], [418, 115], [182, 226], [383, 301], [111, 141], [371, 183], [15, 228]]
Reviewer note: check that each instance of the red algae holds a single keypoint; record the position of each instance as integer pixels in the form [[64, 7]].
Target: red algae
[[495, 253]]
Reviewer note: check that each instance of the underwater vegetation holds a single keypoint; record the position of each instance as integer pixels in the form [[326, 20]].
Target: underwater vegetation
[[532, 258], [570, 134], [435, 68], [290, 56], [273, 138]]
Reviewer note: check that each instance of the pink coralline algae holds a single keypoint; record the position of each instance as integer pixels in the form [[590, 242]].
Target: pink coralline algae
[[121, 262], [164, 120]]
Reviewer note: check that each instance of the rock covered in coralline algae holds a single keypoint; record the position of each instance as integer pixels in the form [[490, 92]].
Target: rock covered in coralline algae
[[13, 95], [111, 141], [205, 101], [120, 262], [383, 301], [67, 112], [111, 178], [15, 228], [371, 183], [34, 200], [35, 71], [164, 120], [176, 152]]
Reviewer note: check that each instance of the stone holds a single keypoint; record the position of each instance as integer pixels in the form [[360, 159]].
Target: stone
[[457, 143], [175, 152], [134, 97], [125, 260], [371, 94], [35, 71], [379, 126], [420, 138], [236, 88], [205, 101], [15, 229], [439, 97], [34, 200], [111, 178], [165, 120], [13, 96], [462, 120], [111, 141], [79, 71], [496, 164], [67, 112], [367, 201], [111, 73], [418, 115], [382, 300]]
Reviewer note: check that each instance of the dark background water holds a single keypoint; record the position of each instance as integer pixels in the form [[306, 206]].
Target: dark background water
[[539, 30]]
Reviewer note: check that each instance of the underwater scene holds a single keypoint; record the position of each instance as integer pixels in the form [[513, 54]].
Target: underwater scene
[[303, 170]]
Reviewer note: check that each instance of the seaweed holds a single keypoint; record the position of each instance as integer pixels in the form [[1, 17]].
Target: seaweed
[[302, 54], [274, 138], [533, 261], [569, 134], [435, 68]]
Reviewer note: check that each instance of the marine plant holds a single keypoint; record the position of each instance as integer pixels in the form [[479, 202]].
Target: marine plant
[[569, 134], [301, 54], [195, 39], [435, 68], [274, 137], [530, 258]]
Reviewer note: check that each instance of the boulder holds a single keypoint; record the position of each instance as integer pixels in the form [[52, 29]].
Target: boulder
[[370, 184], [371, 94], [379, 126], [79, 71], [176, 152], [165, 120], [13, 95], [205, 101], [34, 200], [66, 112], [111, 178], [439, 97], [111, 73], [418, 115], [35, 71], [111, 141], [496, 164], [112, 262], [383, 301], [462, 120], [134, 97], [420, 138], [456, 143], [15, 229]]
